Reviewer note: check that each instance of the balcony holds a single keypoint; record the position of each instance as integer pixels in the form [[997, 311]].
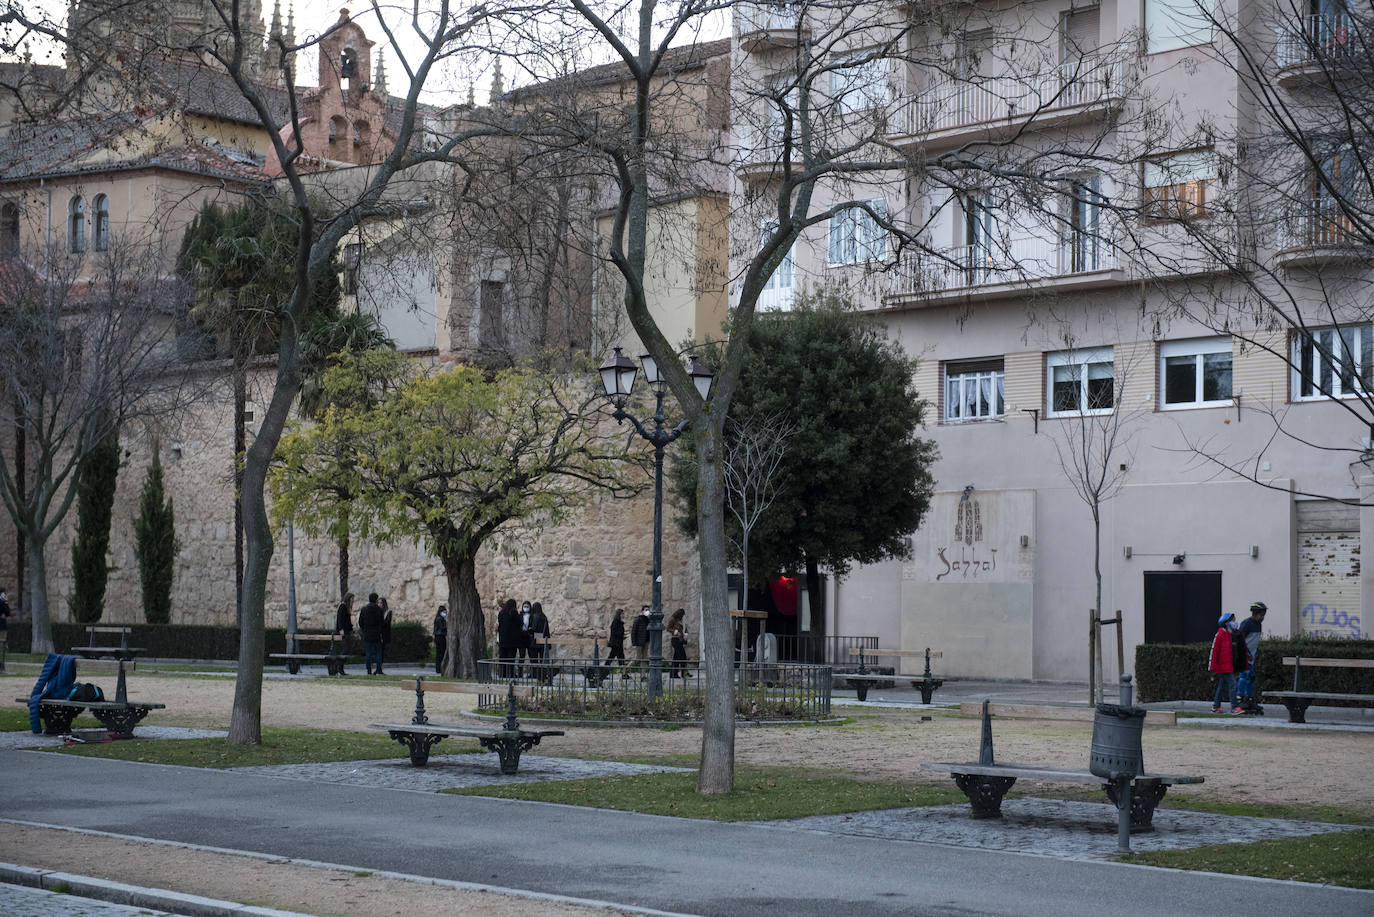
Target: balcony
[[1315, 46], [1312, 235], [761, 154], [770, 27], [953, 112], [1011, 267]]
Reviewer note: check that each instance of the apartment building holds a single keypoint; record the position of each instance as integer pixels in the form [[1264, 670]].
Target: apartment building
[[1132, 296]]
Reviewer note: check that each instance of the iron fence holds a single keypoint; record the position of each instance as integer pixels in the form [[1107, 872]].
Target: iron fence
[[829, 649], [590, 688]]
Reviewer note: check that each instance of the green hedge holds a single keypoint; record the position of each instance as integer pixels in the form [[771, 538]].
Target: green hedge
[[409, 641], [1170, 671]]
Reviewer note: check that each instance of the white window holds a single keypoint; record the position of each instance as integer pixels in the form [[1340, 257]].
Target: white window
[[860, 83], [76, 225], [973, 390], [1332, 362], [1081, 382], [1176, 185], [1085, 244], [9, 230], [777, 289], [1174, 24], [100, 228], [856, 237], [1195, 373]]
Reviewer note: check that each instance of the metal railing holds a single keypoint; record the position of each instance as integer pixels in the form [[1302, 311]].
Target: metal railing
[[1320, 37], [1004, 261], [953, 104], [829, 649], [592, 689], [773, 17], [1317, 226]]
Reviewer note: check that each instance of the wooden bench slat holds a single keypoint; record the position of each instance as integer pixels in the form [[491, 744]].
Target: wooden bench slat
[[1038, 772], [860, 651], [1327, 663], [1319, 695], [469, 687]]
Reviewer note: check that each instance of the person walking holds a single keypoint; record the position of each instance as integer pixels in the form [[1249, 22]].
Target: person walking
[[677, 633], [370, 620], [615, 643], [5, 626], [1251, 629], [386, 632], [509, 635], [537, 635], [343, 620], [1222, 664], [440, 639], [639, 638]]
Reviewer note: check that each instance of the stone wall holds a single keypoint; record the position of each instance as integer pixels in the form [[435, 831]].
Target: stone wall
[[581, 571]]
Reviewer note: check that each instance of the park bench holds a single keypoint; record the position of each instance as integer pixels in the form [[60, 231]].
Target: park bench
[[333, 659], [1298, 700], [987, 780], [123, 652], [863, 680], [420, 735], [118, 716]]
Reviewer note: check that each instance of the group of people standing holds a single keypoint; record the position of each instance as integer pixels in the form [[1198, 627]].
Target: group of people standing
[[676, 628], [522, 632], [374, 624], [1233, 657]]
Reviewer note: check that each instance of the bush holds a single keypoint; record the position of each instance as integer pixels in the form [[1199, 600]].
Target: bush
[[95, 488], [1167, 672], [155, 546], [409, 641]]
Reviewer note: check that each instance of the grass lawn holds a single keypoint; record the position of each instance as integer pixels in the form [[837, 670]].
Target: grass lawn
[[761, 793], [1341, 858], [279, 746]]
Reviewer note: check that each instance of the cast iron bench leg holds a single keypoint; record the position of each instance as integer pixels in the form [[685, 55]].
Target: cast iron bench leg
[[58, 720], [1297, 708], [862, 689], [984, 793], [927, 688], [121, 723], [1144, 799], [419, 744], [508, 749]]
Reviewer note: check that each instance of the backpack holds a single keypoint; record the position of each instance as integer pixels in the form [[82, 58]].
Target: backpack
[[85, 691], [1240, 657]]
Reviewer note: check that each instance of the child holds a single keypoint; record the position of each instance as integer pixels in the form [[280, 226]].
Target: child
[[1222, 664]]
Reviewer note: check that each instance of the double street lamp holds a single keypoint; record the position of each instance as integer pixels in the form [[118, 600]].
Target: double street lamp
[[618, 378]]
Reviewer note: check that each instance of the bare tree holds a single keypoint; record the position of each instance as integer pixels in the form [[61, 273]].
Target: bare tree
[[815, 136], [85, 350], [754, 448]]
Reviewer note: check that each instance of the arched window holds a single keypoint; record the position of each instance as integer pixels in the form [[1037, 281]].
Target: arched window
[[100, 230], [76, 224], [9, 230]]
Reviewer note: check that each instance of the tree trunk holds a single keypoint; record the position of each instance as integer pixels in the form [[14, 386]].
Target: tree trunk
[[240, 446], [717, 773], [343, 565], [37, 587], [815, 597], [245, 724], [467, 628]]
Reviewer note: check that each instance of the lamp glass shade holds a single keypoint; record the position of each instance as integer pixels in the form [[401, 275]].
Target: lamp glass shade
[[618, 374], [701, 376], [650, 368]]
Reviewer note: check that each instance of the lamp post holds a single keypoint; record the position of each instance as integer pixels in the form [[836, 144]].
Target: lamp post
[[618, 378]]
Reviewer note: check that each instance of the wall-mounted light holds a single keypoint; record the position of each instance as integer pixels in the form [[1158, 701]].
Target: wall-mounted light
[[1127, 552], [176, 450], [1254, 550], [1025, 541], [1179, 558]]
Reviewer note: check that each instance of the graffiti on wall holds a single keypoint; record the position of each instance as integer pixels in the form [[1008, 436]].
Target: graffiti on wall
[[1331, 622], [968, 562], [968, 534]]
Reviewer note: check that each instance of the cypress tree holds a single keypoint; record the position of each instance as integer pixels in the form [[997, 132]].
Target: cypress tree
[[155, 546], [95, 487]]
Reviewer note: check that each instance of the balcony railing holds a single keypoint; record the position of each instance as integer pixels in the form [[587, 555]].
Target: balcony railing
[[1307, 227], [950, 105], [1022, 260], [1322, 37], [770, 25]]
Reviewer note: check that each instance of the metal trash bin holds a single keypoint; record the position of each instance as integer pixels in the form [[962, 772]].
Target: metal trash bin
[[1116, 741]]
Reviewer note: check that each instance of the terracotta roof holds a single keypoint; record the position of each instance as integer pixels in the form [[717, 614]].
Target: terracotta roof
[[675, 60]]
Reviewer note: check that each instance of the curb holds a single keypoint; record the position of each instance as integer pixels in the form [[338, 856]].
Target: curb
[[132, 895]]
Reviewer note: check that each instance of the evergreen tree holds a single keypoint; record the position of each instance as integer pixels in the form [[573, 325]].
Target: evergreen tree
[[95, 487], [155, 546]]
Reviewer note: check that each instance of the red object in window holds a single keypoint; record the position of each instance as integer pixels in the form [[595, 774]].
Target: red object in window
[[784, 593]]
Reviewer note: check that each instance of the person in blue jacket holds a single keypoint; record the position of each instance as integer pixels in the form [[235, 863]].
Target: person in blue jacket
[[55, 680]]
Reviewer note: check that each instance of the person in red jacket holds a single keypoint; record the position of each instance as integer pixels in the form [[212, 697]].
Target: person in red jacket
[[1222, 664]]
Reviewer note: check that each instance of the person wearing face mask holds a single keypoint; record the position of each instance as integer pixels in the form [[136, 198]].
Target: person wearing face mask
[[440, 638], [509, 634], [523, 645]]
